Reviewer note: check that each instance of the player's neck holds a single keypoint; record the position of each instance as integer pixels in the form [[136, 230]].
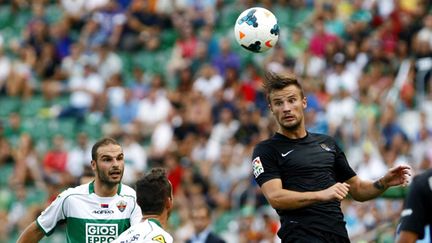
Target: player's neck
[[162, 219], [104, 190], [293, 134]]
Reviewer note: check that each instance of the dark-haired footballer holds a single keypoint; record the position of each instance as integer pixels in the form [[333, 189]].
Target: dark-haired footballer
[[154, 196], [304, 175]]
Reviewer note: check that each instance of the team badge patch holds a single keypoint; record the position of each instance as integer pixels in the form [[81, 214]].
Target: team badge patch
[[121, 205], [159, 238], [325, 147], [257, 167]]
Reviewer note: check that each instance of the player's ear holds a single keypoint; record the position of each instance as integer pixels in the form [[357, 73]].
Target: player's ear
[[304, 101], [270, 107], [93, 164], [169, 203]]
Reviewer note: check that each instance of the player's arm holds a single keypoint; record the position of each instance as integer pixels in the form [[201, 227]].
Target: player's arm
[[31, 234], [280, 198], [363, 190], [407, 237]]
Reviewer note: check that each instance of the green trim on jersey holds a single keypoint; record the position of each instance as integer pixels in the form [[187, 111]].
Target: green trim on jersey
[[91, 188], [94, 230], [155, 221], [40, 227]]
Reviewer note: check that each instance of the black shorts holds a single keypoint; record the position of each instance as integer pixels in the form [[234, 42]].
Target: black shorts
[[301, 235]]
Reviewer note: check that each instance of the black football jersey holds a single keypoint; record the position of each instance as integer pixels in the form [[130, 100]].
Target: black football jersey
[[417, 212], [312, 163]]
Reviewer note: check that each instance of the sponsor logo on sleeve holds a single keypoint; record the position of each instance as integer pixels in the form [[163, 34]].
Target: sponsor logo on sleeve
[[257, 167], [159, 238], [101, 233]]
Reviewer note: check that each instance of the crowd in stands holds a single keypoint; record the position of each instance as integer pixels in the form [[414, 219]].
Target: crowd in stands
[[167, 79]]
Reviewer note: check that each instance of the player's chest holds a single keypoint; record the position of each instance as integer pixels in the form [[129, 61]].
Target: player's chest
[[309, 156], [89, 207]]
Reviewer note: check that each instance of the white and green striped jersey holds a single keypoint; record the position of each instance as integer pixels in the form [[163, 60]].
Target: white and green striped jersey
[[90, 218], [148, 231]]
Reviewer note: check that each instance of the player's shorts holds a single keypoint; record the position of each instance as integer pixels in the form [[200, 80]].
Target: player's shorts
[[302, 235]]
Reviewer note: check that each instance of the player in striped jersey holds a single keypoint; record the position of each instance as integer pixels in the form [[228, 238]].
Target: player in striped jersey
[[154, 196], [98, 211]]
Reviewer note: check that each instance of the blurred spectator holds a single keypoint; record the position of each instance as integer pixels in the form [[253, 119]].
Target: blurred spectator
[[74, 12], [135, 158], [296, 44], [79, 156], [55, 163], [142, 27], [162, 137], [5, 67], [104, 26], [184, 48], [201, 218], [28, 167], [154, 108], [320, 38], [226, 58], [421, 147], [126, 112], [372, 166], [208, 81], [21, 81], [106, 61], [340, 76], [85, 92], [140, 84], [13, 128]]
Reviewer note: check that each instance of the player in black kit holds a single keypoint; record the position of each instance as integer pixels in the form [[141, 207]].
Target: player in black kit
[[304, 175], [417, 212]]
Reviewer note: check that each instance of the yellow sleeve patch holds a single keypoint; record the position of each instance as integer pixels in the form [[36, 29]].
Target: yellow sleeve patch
[[159, 238]]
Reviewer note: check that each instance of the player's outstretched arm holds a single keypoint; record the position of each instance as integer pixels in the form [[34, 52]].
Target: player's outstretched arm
[[280, 198], [363, 190], [31, 234]]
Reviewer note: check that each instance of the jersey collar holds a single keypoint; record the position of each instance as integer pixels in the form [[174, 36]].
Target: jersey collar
[[91, 188], [155, 221]]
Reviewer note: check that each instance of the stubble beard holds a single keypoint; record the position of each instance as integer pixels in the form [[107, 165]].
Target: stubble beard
[[290, 127], [105, 180]]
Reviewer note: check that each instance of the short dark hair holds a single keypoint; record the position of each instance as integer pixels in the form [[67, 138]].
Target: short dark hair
[[274, 81], [102, 142], [152, 191]]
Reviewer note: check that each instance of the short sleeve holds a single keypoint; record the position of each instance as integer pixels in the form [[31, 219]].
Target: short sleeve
[[265, 164], [52, 215], [136, 215], [413, 216], [343, 170]]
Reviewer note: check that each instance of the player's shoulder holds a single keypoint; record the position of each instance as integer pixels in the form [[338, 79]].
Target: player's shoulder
[[145, 231], [127, 191], [80, 189], [424, 178], [319, 136]]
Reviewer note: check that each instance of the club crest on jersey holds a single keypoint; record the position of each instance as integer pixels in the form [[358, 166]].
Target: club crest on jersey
[[121, 205], [325, 147], [257, 167]]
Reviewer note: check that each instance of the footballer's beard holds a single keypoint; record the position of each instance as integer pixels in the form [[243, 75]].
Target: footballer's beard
[[105, 179], [290, 127]]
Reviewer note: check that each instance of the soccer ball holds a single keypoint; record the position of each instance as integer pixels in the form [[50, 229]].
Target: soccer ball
[[256, 29]]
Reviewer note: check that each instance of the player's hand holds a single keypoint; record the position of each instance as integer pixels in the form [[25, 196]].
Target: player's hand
[[396, 176], [338, 191]]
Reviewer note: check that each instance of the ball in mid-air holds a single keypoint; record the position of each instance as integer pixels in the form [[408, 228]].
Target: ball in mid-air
[[256, 29]]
